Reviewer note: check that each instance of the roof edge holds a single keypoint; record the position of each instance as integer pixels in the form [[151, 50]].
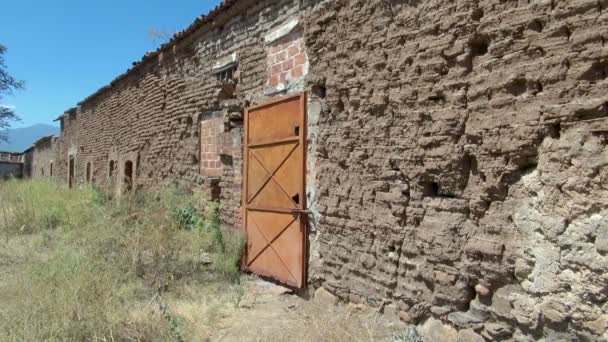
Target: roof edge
[[178, 37]]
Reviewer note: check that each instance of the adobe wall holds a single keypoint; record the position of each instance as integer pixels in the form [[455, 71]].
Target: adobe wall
[[173, 116], [42, 159], [462, 162], [457, 150], [66, 145]]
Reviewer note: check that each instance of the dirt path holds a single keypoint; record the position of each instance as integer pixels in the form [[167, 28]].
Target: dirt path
[[273, 313]]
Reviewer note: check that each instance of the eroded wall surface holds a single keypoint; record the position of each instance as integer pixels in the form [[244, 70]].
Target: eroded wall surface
[[152, 116], [43, 156], [457, 149], [461, 154]]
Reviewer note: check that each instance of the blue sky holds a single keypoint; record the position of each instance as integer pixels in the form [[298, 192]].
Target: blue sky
[[66, 49]]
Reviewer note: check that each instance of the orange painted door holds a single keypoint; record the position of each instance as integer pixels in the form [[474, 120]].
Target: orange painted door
[[274, 197]]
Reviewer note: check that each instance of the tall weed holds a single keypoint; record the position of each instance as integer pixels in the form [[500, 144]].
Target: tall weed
[[93, 260]]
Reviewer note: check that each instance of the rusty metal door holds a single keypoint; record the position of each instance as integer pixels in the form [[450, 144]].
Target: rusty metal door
[[274, 198]]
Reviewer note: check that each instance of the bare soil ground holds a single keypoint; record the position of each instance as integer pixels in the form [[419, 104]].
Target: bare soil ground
[[273, 313]]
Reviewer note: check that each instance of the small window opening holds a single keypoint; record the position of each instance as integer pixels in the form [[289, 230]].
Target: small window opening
[[319, 91], [430, 189], [296, 198], [479, 46], [477, 14], [225, 75], [296, 131], [555, 130]]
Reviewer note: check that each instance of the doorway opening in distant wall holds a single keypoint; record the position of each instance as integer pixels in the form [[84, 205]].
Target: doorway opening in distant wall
[[51, 170], [128, 175], [71, 172], [88, 172], [111, 169]]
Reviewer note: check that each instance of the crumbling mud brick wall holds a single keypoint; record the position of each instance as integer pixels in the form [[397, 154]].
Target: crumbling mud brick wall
[[157, 115], [43, 154], [67, 144], [278, 67], [457, 149], [462, 162]]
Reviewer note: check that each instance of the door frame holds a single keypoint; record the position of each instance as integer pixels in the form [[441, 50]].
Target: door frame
[[302, 207]]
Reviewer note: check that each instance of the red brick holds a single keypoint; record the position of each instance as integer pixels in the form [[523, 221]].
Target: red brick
[[282, 76], [274, 80], [298, 71], [274, 48], [276, 69], [281, 56], [287, 65], [299, 59], [292, 50], [212, 172]]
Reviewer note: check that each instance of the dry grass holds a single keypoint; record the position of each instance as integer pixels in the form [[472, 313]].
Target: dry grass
[[155, 266], [75, 266]]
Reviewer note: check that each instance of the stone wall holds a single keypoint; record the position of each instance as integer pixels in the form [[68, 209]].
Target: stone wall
[[461, 162]]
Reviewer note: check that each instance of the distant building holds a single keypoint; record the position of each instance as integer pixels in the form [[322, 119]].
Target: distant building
[[40, 158], [11, 164]]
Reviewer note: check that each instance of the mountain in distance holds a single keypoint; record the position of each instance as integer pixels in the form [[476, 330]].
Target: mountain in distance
[[20, 139]]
